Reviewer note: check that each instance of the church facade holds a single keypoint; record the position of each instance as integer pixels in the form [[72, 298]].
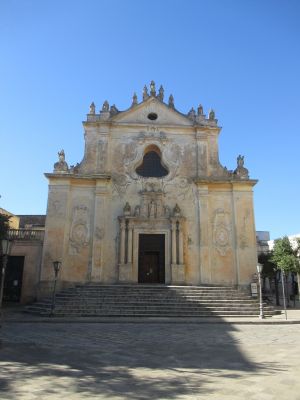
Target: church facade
[[150, 202]]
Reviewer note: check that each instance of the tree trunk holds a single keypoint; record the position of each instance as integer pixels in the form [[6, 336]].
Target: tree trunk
[[298, 281]]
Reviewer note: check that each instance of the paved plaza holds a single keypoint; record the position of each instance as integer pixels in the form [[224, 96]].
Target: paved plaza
[[149, 361]]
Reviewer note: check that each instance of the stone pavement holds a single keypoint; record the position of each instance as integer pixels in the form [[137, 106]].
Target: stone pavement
[[46, 360]]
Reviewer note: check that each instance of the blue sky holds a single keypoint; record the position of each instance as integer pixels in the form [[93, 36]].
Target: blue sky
[[240, 57]]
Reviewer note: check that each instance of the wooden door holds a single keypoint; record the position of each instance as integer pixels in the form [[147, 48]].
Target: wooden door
[[151, 259]]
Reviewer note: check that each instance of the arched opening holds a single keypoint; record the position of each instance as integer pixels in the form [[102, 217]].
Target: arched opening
[[151, 166]]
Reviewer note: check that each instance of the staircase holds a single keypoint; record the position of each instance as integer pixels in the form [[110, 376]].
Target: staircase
[[95, 300]]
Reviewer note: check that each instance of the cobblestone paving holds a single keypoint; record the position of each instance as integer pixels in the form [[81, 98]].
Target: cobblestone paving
[[149, 361]]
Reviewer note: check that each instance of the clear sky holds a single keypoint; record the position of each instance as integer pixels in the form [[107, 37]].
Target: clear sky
[[240, 57]]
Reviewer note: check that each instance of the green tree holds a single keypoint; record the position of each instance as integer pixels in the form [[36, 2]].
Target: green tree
[[286, 256], [270, 271]]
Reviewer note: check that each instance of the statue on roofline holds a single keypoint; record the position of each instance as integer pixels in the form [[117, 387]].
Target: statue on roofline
[[92, 108], [152, 89], [61, 165], [105, 106]]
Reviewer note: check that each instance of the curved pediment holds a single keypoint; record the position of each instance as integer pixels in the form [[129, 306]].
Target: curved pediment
[[154, 112]]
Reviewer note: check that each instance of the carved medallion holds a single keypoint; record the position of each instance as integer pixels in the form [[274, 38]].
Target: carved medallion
[[221, 231]]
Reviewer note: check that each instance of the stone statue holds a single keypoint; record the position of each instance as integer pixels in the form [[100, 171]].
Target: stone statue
[[92, 108], [61, 156], [134, 100], [152, 89], [171, 101], [177, 211], [152, 209], [145, 93], [241, 171], [105, 106], [200, 110], [61, 165], [192, 113], [240, 161], [161, 93], [211, 115], [127, 209]]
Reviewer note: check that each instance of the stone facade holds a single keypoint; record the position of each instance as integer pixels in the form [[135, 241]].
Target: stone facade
[[150, 170]]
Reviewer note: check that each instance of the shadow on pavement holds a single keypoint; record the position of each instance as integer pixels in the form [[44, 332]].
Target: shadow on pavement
[[128, 361]]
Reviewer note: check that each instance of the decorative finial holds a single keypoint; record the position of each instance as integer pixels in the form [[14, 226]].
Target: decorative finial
[[161, 93], [134, 100], [171, 101], [211, 115], [105, 106], [145, 93], [92, 108], [200, 110], [152, 89]]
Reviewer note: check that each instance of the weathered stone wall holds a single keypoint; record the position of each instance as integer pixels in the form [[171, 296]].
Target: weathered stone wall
[[216, 222]]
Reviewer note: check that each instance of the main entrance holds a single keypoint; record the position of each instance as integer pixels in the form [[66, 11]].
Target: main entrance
[[151, 258]]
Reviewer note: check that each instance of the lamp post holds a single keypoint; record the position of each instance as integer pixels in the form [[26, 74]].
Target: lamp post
[[283, 291], [259, 268], [56, 267], [6, 248]]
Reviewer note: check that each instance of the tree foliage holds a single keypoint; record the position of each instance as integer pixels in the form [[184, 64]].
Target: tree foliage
[[284, 255], [269, 268]]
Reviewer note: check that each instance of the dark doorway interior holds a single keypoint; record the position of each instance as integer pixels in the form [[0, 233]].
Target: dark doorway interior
[[151, 258], [13, 279]]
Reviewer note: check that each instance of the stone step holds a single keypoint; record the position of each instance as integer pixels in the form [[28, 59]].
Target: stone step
[[143, 300]]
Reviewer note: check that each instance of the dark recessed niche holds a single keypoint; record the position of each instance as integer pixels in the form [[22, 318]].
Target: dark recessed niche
[[152, 166], [152, 116]]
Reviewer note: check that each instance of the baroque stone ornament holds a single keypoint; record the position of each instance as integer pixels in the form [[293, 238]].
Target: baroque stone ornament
[[221, 231], [145, 93], [192, 114], [105, 107], [241, 171], [92, 108], [120, 183], [61, 166], [113, 110], [171, 101], [134, 100], [211, 115], [152, 89], [200, 110], [160, 95], [80, 230]]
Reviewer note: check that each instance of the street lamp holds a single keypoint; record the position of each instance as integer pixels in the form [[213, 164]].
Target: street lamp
[[259, 268], [6, 248], [56, 267], [283, 291]]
